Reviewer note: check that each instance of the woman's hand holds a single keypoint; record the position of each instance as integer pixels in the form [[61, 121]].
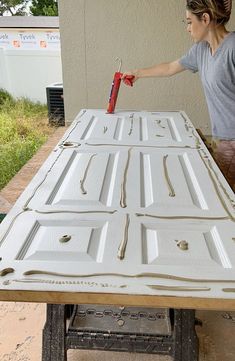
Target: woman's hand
[[158, 70], [130, 77]]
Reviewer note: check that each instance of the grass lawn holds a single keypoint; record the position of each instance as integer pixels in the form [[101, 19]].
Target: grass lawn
[[23, 129]]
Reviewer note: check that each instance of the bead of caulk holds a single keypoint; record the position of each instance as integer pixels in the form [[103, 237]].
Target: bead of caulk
[[65, 238], [183, 245]]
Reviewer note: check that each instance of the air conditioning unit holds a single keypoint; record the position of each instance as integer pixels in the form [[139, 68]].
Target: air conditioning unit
[[55, 103]]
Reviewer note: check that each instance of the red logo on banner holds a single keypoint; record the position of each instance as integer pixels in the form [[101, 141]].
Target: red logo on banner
[[16, 43]]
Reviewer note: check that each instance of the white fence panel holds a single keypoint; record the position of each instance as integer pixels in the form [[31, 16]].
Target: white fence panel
[[27, 73]]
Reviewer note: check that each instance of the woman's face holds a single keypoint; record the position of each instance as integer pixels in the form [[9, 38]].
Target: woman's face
[[196, 27]]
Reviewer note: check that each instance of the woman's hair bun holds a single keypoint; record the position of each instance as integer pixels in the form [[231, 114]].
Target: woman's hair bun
[[228, 6]]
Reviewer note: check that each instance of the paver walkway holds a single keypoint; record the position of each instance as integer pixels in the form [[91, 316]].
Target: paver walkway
[[21, 324]]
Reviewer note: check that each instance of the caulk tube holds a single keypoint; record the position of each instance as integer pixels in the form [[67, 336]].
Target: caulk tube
[[114, 92]]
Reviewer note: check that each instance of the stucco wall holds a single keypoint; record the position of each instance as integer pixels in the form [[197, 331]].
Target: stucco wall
[[142, 33]]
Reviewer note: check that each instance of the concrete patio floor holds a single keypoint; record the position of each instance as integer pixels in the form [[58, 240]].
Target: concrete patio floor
[[21, 324]]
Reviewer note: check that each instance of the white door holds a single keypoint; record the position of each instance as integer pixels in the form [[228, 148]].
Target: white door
[[128, 208]]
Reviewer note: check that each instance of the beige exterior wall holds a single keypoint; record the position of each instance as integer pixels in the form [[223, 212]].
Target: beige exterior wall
[[142, 33]]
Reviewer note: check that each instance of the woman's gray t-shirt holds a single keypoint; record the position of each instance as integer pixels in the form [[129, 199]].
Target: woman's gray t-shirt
[[217, 73]]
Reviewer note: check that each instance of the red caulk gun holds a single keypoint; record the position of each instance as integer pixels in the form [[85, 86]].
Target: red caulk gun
[[116, 85]]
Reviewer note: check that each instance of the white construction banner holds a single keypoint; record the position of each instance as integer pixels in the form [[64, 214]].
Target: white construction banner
[[30, 39]]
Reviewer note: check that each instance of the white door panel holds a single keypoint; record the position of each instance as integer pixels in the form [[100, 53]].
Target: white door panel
[[165, 181], [203, 247], [138, 128], [66, 239]]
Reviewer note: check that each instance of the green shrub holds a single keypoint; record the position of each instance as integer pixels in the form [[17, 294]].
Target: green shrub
[[23, 129]]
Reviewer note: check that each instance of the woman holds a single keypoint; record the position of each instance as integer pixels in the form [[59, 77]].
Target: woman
[[213, 56]]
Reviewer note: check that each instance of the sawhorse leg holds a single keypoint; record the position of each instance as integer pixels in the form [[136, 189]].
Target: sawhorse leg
[[186, 340], [54, 341]]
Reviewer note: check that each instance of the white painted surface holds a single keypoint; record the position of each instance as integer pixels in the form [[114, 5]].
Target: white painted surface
[[173, 192], [27, 73]]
